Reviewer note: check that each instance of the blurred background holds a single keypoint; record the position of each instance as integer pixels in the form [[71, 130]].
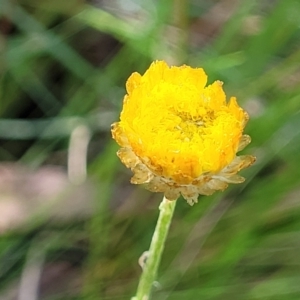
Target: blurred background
[[71, 225]]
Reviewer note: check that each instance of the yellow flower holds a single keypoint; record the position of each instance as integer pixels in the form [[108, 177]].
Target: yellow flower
[[179, 136]]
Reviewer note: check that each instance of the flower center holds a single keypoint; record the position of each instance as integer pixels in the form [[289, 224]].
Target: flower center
[[189, 127]]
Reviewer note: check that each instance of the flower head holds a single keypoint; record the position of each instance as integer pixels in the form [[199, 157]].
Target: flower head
[[180, 136]]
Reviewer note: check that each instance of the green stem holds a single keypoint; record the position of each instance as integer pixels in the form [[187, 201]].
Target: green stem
[[156, 248]]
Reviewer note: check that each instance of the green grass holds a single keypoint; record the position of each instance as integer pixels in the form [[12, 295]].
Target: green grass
[[64, 65]]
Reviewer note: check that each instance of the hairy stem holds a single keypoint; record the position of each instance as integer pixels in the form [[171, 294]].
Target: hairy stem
[[156, 249]]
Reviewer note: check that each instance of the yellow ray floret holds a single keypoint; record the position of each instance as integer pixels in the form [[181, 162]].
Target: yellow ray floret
[[178, 135]]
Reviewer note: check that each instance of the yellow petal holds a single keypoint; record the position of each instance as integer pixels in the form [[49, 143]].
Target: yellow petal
[[179, 136]]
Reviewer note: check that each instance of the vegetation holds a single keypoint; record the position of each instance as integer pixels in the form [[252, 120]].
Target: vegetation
[[67, 235]]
